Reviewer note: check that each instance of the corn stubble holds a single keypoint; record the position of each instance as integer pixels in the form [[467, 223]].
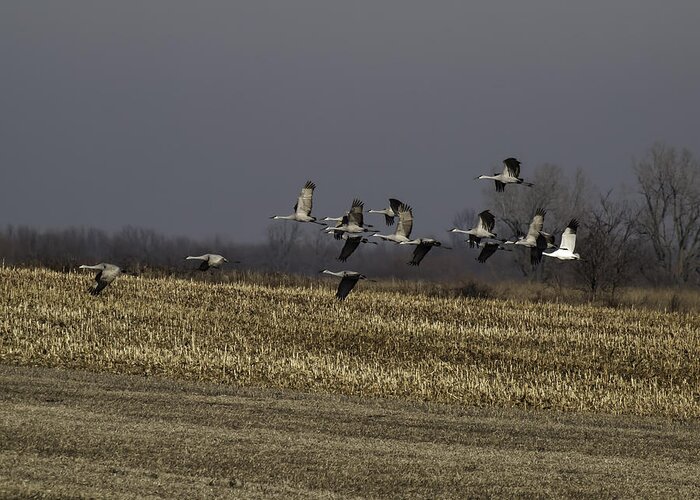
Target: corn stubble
[[378, 344]]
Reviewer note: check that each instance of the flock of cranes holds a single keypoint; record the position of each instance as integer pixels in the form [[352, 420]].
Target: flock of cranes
[[352, 229]]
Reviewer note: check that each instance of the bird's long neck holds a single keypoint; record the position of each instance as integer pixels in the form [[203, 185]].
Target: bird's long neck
[[326, 271], [385, 212], [284, 217], [97, 267], [492, 177]]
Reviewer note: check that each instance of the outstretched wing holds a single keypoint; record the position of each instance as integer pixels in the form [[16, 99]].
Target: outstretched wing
[[500, 186], [343, 222], [486, 252], [405, 225], [395, 204], [473, 241], [100, 284], [355, 214], [548, 240], [204, 265], [537, 224], [487, 220], [512, 167], [568, 238], [418, 254], [536, 251], [350, 246], [345, 286], [305, 201], [535, 256]]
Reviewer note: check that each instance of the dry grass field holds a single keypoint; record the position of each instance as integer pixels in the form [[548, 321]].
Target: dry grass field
[[379, 343], [76, 434]]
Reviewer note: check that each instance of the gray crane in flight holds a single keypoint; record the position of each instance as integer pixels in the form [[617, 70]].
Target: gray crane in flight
[[510, 175], [106, 274]]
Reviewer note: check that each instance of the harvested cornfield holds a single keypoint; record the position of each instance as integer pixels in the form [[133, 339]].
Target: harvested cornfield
[[466, 351]]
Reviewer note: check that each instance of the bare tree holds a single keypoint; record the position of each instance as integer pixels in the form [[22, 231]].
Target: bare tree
[[281, 239], [669, 213], [611, 247]]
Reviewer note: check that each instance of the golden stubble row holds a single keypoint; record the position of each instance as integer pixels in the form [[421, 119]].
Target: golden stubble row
[[378, 343]]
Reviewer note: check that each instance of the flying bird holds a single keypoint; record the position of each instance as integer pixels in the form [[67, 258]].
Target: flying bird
[[347, 283], [483, 229], [352, 241], [403, 228], [536, 239], [568, 243], [210, 261], [352, 222], [106, 274], [302, 208], [390, 213], [488, 248], [423, 246], [510, 175]]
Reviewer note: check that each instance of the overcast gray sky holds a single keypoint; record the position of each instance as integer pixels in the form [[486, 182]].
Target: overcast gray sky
[[203, 117]]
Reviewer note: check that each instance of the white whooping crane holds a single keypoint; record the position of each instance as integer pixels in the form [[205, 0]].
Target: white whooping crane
[[389, 213], [302, 208], [347, 283], [568, 243], [510, 175], [107, 273]]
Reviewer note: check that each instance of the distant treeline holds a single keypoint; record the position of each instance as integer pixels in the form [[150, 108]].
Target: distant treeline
[[647, 234]]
